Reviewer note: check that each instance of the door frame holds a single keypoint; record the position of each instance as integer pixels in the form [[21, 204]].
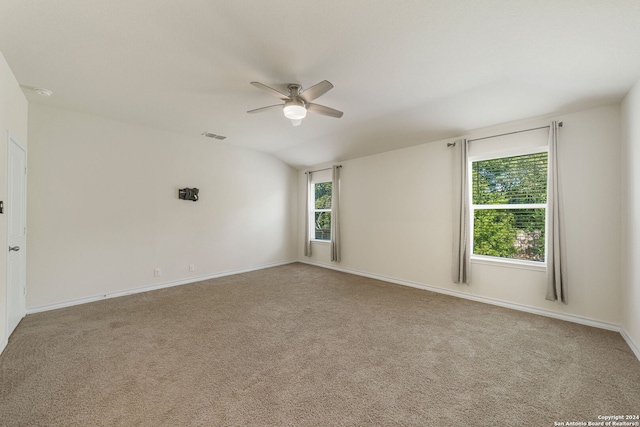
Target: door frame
[[23, 310]]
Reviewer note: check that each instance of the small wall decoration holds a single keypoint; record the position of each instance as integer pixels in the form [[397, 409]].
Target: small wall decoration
[[188, 194]]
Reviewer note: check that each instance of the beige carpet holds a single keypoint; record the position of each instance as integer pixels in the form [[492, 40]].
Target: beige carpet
[[302, 346]]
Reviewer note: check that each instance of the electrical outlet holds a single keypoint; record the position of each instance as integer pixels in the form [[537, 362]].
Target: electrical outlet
[[157, 272], [192, 267]]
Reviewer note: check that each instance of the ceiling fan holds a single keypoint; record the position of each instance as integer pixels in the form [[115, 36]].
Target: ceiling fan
[[298, 101]]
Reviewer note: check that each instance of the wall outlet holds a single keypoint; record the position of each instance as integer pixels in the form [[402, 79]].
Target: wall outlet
[[157, 272], [192, 267]]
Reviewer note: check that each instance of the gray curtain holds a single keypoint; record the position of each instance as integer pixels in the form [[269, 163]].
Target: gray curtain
[[461, 250], [307, 237], [335, 214], [556, 257]]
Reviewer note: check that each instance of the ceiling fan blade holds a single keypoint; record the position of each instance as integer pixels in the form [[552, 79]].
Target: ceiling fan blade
[[315, 91], [260, 110], [272, 91], [326, 111]]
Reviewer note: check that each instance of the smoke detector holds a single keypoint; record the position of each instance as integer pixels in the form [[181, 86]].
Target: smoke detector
[[42, 91]]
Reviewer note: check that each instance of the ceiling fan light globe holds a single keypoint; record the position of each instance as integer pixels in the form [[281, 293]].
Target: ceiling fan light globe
[[295, 112]]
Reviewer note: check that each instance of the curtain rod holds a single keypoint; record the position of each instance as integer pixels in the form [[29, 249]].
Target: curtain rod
[[453, 144], [319, 170]]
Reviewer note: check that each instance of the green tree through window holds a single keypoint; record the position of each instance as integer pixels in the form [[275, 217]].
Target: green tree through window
[[322, 211], [509, 197]]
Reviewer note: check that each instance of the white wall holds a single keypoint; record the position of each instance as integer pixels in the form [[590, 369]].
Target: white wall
[[13, 120], [631, 215], [397, 209], [103, 207]]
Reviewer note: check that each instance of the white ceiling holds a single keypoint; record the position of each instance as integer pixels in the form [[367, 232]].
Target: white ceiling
[[405, 71]]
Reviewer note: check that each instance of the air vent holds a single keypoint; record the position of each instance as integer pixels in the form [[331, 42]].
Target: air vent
[[213, 135]]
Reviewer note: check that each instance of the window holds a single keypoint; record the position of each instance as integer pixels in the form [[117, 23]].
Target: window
[[321, 214], [508, 206]]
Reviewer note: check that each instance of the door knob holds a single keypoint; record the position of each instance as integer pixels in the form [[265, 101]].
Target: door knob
[[14, 248]]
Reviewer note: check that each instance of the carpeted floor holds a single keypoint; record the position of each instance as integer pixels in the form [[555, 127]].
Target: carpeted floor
[[298, 345]]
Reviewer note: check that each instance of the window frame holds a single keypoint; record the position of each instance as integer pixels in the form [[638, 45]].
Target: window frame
[[494, 260], [313, 210]]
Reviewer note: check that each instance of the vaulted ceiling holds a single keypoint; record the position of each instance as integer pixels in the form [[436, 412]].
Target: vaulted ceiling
[[405, 71]]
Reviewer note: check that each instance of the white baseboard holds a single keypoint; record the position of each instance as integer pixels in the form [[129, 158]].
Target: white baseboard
[[515, 306], [63, 304], [3, 345], [634, 347]]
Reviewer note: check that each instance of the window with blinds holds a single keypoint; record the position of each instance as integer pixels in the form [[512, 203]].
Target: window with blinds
[[322, 211], [509, 203]]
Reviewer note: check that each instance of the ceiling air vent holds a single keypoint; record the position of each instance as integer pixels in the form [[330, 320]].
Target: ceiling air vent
[[213, 135]]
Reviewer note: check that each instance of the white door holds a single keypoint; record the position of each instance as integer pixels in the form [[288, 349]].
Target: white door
[[16, 208]]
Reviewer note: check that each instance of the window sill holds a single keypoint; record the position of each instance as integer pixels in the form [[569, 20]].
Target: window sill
[[510, 263], [320, 241]]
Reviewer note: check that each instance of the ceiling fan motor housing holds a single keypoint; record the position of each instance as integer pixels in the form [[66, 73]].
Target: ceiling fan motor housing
[[294, 89]]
